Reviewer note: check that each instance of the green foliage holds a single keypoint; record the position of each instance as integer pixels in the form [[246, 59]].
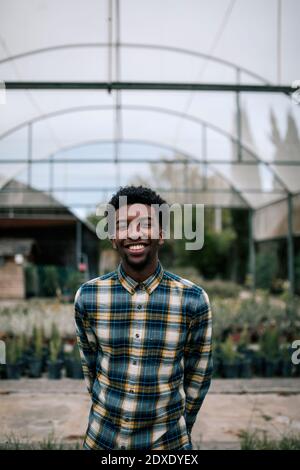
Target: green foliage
[[228, 351], [257, 441], [74, 281], [76, 353], [54, 344], [269, 343], [31, 280], [14, 350], [38, 340], [266, 269], [50, 280]]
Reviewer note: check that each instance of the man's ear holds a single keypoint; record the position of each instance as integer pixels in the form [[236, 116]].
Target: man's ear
[[161, 240]]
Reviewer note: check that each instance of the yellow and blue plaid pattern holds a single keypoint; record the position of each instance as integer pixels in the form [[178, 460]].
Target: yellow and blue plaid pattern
[[146, 356]]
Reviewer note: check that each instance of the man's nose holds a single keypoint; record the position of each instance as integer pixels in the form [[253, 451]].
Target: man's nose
[[133, 231]]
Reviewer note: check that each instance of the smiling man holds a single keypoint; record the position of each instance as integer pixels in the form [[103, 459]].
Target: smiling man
[[144, 336]]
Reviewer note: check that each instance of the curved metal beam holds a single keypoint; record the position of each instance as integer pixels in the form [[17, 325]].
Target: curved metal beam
[[160, 110], [177, 50]]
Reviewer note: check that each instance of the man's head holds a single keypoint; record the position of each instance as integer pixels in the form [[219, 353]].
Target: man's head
[[138, 225]]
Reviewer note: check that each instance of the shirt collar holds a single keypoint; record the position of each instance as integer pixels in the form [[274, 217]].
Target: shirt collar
[[148, 284]]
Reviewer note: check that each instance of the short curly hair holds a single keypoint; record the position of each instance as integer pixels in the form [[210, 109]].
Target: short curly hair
[[139, 195]]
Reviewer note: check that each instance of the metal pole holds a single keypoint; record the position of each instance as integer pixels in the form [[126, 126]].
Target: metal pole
[[29, 155], [238, 121], [290, 245], [252, 254], [204, 156], [51, 175], [78, 242], [172, 86]]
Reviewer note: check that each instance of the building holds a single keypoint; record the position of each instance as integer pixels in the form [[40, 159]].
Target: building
[[36, 228]]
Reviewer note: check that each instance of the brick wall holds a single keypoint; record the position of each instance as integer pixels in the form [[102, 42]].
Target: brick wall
[[12, 283]]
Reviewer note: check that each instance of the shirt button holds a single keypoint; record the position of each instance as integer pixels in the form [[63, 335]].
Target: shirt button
[[134, 363], [131, 391], [123, 447], [137, 335], [127, 419], [139, 306]]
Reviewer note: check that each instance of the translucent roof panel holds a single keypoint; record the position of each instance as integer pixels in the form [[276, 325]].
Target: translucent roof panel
[[68, 140]]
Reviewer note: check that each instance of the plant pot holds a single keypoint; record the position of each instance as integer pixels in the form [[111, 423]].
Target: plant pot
[[230, 370], [245, 371], [286, 367], [216, 367], [13, 371], [258, 365], [77, 372], [35, 367], [69, 367], [271, 367], [54, 369], [2, 371]]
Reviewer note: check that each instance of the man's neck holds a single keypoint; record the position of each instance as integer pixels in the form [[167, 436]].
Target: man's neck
[[141, 274]]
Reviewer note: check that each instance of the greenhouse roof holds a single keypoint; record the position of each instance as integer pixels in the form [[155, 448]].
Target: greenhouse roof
[[191, 97]]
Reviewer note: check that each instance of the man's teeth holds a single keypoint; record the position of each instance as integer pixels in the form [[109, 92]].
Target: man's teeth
[[136, 247]]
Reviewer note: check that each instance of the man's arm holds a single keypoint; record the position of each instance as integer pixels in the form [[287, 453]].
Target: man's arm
[[86, 340], [198, 359]]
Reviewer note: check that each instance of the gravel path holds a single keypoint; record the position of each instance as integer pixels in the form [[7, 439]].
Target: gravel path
[[33, 409]]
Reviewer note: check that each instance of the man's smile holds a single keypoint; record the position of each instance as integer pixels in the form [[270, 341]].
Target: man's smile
[[136, 248]]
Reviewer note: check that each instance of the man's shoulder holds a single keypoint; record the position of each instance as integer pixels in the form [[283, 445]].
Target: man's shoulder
[[184, 283], [98, 281]]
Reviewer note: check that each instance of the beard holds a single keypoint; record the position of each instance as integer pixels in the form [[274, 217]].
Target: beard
[[138, 265]]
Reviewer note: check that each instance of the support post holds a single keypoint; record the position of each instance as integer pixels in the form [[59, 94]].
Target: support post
[[29, 155], [290, 245], [252, 253], [78, 242]]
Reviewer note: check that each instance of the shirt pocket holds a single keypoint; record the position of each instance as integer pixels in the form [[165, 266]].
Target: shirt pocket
[[166, 344]]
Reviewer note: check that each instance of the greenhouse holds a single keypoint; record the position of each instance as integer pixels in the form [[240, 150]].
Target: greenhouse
[[199, 101]]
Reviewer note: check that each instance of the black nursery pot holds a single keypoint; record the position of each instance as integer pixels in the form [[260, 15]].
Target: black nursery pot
[[286, 368], [258, 365], [271, 367], [216, 367], [230, 370], [2, 371], [54, 369], [13, 371], [245, 371], [77, 370], [35, 367], [69, 367]]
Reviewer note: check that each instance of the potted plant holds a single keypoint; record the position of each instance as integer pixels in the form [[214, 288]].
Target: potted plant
[[269, 346], [54, 362], [35, 362], [13, 358], [286, 365], [230, 359], [72, 362], [245, 366]]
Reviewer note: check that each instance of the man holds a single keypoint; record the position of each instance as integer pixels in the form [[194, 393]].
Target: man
[[144, 336]]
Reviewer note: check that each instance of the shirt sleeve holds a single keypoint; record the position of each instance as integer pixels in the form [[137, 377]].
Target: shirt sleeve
[[86, 340], [198, 363]]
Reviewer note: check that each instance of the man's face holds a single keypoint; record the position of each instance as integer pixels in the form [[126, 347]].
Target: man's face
[[137, 235]]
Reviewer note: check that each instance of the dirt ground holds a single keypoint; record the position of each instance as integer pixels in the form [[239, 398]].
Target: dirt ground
[[34, 409]]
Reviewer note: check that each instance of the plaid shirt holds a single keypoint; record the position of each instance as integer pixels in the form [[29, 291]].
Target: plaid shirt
[[146, 357]]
